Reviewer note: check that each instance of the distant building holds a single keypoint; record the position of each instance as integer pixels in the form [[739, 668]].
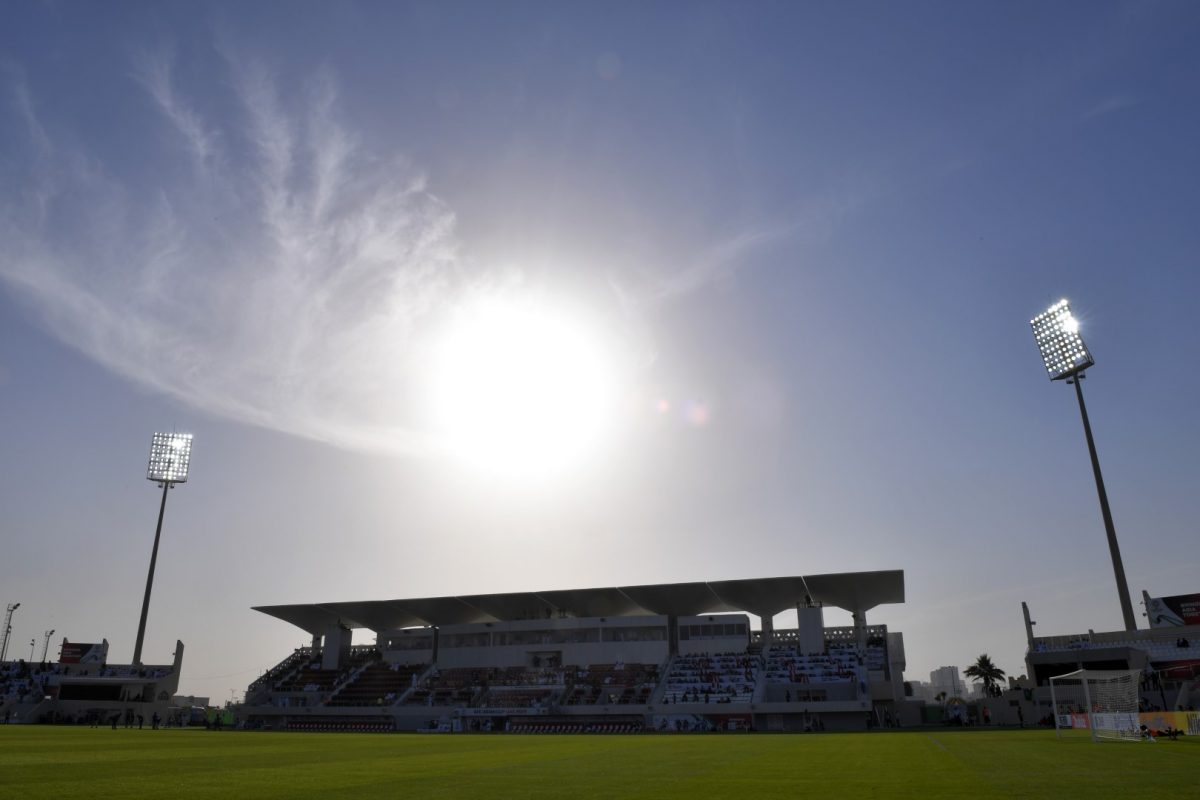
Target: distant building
[[922, 691], [946, 679]]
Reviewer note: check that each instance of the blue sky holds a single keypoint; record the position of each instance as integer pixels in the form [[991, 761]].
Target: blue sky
[[811, 237]]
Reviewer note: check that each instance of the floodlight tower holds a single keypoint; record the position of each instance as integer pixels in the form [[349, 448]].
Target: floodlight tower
[[1066, 357], [170, 456], [7, 628], [46, 644]]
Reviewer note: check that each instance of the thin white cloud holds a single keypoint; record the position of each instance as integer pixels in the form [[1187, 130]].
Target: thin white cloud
[[154, 73], [287, 282], [290, 278], [1109, 105], [24, 107], [720, 261]]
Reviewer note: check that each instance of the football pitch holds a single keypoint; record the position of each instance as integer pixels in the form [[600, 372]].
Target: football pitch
[[60, 762]]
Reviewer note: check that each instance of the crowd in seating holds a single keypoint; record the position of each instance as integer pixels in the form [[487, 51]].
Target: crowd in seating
[[788, 665], [612, 684], [22, 681], [526, 676], [506, 697], [842, 662], [281, 670], [720, 678], [313, 678], [544, 684], [448, 687], [1176, 649], [483, 686], [377, 683], [874, 657]]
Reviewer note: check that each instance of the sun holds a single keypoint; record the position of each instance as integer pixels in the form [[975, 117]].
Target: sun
[[522, 387]]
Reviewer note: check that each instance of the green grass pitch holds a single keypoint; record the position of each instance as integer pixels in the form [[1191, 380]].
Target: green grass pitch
[[59, 762]]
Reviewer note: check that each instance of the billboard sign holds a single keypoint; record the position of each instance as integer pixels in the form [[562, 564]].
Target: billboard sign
[[83, 653], [1171, 612]]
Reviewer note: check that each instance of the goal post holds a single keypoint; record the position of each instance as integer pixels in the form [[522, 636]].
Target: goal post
[[1100, 703]]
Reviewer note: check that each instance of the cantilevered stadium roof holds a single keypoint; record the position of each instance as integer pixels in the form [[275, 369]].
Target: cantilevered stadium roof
[[763, 597]]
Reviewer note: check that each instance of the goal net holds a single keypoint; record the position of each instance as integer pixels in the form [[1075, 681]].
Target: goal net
[[1100, 703]]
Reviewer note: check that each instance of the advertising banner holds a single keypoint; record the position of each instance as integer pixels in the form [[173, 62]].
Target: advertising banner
[[83, 653], [503, 712], [1180, 670], [1171, 612]]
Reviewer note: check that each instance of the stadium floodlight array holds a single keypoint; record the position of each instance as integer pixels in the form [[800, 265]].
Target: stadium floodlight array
[[1065, 356], [1101, 703], [170, 457], [1057, 333]]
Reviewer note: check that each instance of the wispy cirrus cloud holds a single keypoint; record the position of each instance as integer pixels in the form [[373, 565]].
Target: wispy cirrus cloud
[[153, 71], [1109, 105], [718, 261], [286, 282], [267, 266]]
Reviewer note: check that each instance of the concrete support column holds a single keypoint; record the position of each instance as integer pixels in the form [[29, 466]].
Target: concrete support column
[[337, 646], [810, 624], [768, 628], [860, 628]]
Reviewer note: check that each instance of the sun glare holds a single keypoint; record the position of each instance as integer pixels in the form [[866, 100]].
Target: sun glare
[[522, 388]]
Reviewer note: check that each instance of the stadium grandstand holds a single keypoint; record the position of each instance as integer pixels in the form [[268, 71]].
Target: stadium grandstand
[[1167, 655], [82, 686], [672, 657]]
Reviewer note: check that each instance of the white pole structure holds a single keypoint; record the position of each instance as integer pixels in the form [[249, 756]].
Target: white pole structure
[[7, 628], [1054, 711], [1091, 715], [170, 457]]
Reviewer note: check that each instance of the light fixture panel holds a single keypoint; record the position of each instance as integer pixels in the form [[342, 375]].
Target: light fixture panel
[[1056, 331], [170, 456]]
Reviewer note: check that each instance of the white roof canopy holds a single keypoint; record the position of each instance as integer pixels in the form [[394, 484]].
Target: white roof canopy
[[763, 597]]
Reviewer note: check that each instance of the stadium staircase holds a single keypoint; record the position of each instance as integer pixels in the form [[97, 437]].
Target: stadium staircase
[[422, 676], [347, 679], [29, 711], [370, 684], [664, 669], [260, 690]]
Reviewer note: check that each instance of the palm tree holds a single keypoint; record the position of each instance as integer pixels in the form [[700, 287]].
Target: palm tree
[[984, 670], [940, 697]]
